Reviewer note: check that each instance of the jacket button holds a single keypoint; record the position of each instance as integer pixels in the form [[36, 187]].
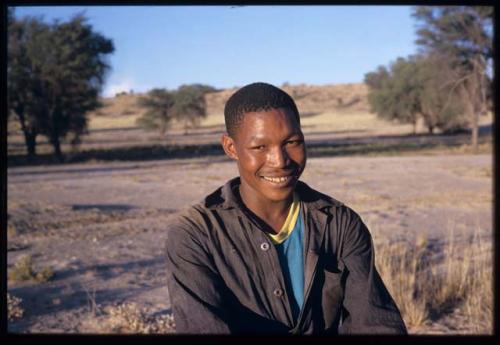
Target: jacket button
[[278, 292], [264, 246]]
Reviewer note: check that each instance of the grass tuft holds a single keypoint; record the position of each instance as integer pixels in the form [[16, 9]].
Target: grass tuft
[[128, 318], [428, 287], [23, 270], [11, 230], [14, 309]]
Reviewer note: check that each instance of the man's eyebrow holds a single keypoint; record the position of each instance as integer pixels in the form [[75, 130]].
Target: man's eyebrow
[[262, 137], [257, 137], [299, 134]]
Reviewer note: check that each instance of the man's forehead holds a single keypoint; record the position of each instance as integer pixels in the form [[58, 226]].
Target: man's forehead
[[286, 110], [258, 125], [271, 116]]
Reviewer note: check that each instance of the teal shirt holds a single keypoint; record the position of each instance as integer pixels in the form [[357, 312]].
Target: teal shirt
[[290, 253]]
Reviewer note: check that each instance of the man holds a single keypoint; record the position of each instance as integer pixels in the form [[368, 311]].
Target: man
[[265, 253]]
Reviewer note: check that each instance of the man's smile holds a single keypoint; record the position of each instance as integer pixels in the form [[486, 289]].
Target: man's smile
[[280, 181]]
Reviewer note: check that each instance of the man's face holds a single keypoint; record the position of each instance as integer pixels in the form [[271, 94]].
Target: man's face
[[270, 151]]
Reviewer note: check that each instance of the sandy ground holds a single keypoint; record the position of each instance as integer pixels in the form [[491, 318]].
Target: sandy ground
[[102, 226]]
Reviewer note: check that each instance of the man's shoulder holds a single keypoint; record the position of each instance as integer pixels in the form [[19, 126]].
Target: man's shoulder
[[322, 202], [315, 198], [196, 214], [195, 222], [191, 216]]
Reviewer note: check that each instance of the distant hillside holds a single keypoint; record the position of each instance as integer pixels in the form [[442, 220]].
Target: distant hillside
[[309, 99], [123, 104]]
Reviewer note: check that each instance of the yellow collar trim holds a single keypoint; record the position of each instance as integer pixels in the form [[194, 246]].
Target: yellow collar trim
[[289, 225]]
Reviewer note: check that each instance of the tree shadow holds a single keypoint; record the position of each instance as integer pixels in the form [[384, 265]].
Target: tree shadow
[[38, 299], [381, 144], [486, 129], [134, 153], [104, 207]]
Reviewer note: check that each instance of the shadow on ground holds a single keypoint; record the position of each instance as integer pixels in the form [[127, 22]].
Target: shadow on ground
[[103, 207], [39, 298]]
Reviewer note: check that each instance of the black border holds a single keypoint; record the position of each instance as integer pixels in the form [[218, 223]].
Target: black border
[[140, 339]]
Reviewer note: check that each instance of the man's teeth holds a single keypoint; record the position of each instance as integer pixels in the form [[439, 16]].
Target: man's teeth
[[276, 179]]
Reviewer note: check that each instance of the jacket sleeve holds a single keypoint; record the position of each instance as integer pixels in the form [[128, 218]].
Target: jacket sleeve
[[197, 292], [368, 306]]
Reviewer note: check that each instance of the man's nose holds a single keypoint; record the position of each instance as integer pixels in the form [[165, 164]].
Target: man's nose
[[278, 157]]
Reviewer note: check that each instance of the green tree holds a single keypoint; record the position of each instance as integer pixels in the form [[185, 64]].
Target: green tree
[[55, 73], [394, 94], [189, 106], [158, 104], [416, 87], [24, 86], [440, 106], [464, 36]]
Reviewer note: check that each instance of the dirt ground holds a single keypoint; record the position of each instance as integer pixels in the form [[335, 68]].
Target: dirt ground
[[102, 226]]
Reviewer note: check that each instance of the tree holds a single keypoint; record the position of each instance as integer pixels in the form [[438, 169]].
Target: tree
[[394, 94], [24, 84], [440, 106], [185, 104], [158, 104], [189, 106], [413, 88], [462, 34], [55, 73]]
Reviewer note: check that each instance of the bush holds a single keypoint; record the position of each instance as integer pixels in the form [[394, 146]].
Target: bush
[[128, 318], [11, 230], [14, 309], [23, 270]]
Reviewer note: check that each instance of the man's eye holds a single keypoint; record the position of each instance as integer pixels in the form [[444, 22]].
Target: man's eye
[[259, 147], [294, 142]]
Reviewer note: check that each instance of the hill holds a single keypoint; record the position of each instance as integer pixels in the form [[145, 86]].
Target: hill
[[309, 99]]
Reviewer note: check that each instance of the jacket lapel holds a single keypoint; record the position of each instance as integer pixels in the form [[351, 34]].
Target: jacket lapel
[[316, 222]]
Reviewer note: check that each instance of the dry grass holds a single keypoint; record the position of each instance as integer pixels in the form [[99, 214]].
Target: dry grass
[[474, 172], [11, 230], [213, 120], [124, 318], [128, 318], [109, 122], [356, 121], [24, 270], [14, 309], [427, 287], [458, 200], [482, 148]]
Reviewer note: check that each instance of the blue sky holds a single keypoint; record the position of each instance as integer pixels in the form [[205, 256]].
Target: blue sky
[[224, 46]]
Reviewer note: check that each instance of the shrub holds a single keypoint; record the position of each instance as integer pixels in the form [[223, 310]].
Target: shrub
[[128, 318], [23, 270], [11, 230], [14, 309]]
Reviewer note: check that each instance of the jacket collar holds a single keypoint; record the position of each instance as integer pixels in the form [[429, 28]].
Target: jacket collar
[[226, 197]]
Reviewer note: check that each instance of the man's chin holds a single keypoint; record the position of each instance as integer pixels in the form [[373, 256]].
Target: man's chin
[[279, 195]]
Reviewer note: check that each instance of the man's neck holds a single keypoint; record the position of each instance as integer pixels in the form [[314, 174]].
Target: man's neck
[[273, 213]]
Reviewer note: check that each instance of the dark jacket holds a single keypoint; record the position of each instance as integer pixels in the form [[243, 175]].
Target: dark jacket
[[224, 274]]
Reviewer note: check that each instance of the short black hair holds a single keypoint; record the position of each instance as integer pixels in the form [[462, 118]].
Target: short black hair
[[255, 97]]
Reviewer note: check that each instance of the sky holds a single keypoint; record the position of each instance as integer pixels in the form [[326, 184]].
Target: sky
[[231, 46]]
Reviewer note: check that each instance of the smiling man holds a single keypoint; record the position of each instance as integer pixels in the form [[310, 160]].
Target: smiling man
[[265, 253]]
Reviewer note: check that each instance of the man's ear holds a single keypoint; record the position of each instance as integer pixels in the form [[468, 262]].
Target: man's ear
[[228, 146]]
